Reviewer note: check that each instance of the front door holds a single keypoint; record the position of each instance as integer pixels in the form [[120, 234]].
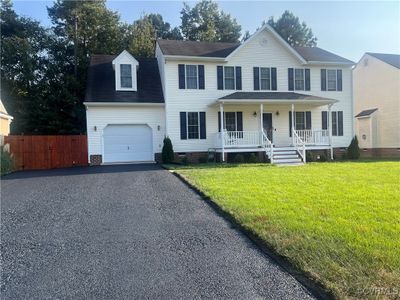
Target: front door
[[267, 124]]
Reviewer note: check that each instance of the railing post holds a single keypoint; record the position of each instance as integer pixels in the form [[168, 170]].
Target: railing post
[[221, 109], [330, 129]]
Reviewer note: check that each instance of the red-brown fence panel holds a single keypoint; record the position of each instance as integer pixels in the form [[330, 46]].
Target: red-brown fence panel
[[47, 151]]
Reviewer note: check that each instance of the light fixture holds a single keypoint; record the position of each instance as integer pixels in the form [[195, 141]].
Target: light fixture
[[158, 127], [254, 114], [95, 128], [277, 113]]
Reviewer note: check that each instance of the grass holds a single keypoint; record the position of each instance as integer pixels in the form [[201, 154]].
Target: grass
[[337, 222]]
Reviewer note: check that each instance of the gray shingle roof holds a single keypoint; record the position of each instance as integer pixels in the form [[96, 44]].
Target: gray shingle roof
[[318, 54], [391, 59], [101, 82], [192, 48], [366, 112], [270, 96], [222, 50]]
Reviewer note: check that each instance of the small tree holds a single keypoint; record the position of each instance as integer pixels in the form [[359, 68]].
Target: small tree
[[353, 151], [167, 154]]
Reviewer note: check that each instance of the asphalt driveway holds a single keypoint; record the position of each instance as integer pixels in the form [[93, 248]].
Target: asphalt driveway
[[117, 232]]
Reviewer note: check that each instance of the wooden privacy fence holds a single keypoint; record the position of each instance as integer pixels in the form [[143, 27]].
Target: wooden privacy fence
[[48, 151]]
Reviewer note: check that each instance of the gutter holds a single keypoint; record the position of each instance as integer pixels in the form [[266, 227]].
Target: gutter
[[121, 104]]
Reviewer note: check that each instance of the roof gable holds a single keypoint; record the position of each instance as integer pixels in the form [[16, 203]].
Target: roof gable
[[124, 56], [391, 59]]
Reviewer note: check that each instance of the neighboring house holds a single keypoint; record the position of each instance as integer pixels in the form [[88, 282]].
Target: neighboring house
[[5, 120], [377, 104], [267, 96]]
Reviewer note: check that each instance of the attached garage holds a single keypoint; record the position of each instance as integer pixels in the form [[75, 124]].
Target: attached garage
[[128, 143]]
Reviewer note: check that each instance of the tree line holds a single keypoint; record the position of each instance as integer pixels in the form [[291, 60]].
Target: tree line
[[43, 70]]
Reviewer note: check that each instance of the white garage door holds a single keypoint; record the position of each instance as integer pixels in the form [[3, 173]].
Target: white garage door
[[126, 143]]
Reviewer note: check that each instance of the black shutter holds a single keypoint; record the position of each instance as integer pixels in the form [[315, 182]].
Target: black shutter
[[181, 71], [308, 120], [334, 123], [340, 123], [219, 121], [324, 120], [220, 77], [239, 121], [273, 79], [290, 79], [339, 80], [201, 77], [256, 78], [238, 71], [183, 126], [290, 123], [203, 133], [307, 76], [323, 79]]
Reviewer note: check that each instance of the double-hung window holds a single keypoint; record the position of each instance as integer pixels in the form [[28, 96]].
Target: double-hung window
[[299, 79], [265, 78], [126, 75], [193, 125], [229, 78], [337, 122], [332, 80], [191, 76], [302, 121]]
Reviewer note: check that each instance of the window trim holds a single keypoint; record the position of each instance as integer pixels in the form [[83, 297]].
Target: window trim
[[294, 79], [234, 77], [197, 77], [270, 78], [120, 77], [198, 125]]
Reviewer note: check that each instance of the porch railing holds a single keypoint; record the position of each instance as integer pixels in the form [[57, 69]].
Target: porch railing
[[239, 139], [314, 137], [269, 147], [299, 144]]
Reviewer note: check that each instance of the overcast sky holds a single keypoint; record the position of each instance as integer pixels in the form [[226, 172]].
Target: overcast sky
[[346, 28]]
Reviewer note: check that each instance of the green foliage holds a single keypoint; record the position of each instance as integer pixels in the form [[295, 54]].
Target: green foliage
[[337, 221], [6, 161], [143, 41], [184, 160], [290, 29], [323, 157], [253, 158], [239, 159], [310, 156], [353, 151], [167, 153], [205, 22], [163, 29]]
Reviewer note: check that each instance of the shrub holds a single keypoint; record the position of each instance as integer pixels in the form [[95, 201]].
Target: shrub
[[239, 159], [203, 159], [323, 157], [167, 154], [253, 158], [184, 160], [353, 151], [310, 156], [6, 161]]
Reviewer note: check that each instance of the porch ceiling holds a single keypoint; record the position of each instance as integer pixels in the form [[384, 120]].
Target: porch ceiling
[[273, 98]]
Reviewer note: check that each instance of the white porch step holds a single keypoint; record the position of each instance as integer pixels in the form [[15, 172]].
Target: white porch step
[[287, 160], [279, 155], [285, 152]]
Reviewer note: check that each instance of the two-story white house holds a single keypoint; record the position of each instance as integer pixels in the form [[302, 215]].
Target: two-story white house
[[259, 96]]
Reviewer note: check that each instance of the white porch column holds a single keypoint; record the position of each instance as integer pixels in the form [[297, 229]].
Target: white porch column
[[261, 122], [222, 133], [330, 129], [293, 125]]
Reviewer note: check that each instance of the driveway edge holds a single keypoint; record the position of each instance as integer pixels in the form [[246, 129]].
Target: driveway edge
[[314, 287]]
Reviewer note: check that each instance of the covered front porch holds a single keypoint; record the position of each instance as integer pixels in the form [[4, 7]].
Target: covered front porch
[[273, 121]]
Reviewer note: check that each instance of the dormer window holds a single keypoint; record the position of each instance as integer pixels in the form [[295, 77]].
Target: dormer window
[[126, 76], [125, 68]]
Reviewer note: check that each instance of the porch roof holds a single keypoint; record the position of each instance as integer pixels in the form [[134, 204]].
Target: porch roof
[[273, 97]]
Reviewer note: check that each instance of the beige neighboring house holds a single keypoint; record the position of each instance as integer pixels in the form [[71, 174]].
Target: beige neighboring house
[[376, 86], [5, 120]]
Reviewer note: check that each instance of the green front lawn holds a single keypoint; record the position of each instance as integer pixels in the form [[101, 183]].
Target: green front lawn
[[339, 222]]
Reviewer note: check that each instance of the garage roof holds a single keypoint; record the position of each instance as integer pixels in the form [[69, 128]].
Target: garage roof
[[101, 82]]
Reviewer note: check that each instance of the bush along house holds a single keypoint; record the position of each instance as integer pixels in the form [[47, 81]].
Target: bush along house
[[261, 96]]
